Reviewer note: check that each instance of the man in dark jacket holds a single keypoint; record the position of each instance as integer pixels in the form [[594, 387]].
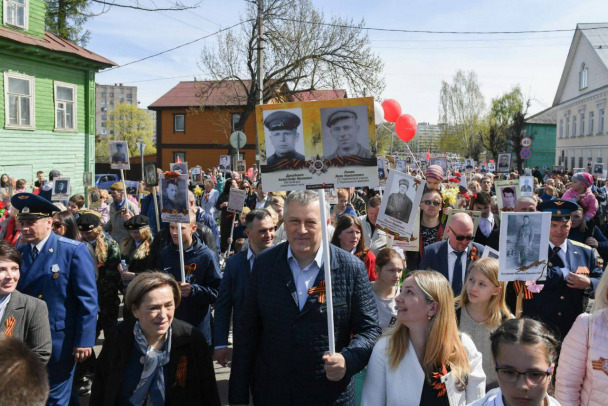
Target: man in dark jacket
[[203, 276], [281, 341]]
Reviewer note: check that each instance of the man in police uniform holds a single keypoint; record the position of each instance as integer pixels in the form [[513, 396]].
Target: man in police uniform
[[345, 131], [399, 205], [61, 272], [283, 129], [572, 273]]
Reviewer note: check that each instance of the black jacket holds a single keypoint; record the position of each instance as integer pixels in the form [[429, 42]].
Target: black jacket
[[187, 347]]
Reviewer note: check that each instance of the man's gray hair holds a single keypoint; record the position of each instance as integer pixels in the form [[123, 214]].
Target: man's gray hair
[[527, 199], [303, 197], [259, 214]]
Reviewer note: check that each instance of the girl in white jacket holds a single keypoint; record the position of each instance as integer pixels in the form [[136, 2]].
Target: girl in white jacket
[[582, 376], [524, 352]]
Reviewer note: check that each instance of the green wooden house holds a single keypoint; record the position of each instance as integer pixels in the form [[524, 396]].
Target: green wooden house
[[47, 108]]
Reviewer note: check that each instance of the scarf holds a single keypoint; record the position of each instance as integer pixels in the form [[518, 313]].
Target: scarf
[[151, 387]]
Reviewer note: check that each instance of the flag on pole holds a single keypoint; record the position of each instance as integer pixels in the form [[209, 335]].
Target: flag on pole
[[428, 154]]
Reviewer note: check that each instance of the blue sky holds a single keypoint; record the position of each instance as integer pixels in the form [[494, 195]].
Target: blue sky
[[415, 64]]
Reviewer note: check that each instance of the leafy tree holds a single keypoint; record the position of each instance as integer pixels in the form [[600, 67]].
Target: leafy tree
[[500, 119], [127, 123], [303, 51], [461, 108], [66, 18]]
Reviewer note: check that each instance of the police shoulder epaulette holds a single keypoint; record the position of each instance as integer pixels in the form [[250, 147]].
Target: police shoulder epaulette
[[68, 241], [580, 244]]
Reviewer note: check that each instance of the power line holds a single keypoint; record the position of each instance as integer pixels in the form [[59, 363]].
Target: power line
[[482, 47], [431, 31], [177, 47], [153, 80], [470, 40]]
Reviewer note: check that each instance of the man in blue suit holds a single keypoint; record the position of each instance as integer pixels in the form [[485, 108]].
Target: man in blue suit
[[452, 257], [59, 271], [281, 342], [572, 273], [259, 229]]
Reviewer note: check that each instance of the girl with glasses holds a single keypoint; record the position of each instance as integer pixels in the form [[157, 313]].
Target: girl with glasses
[[481, 309], [424, 360], [431, 228], [524, 352]]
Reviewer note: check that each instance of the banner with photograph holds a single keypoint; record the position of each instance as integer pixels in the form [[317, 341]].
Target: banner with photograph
[[197, 175], [119, 155], [490, 252], [236, 200], [507, 192], [400, 204], [241, 166], [87, 179], [174, 197], [93, 197], [411, 243], [319, 144], [401, 165], [225, 163], [469, 165], [492, 167], [475, 216], [383, 170], [441, 161], [526, 186], [504, 163], [524, 244], [61, 189], [150, 175]]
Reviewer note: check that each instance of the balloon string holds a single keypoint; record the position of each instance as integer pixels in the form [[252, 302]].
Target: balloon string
[[410, 152]]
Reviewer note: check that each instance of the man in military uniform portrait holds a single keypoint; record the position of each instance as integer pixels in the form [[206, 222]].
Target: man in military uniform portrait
[[61, 272], [344, 130], [399, 205], [283, 135], [504, 162], [118, 154], [523, 241]]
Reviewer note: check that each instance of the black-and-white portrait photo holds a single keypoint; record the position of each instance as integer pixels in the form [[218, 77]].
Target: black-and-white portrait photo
[[197, 175], [179, 167], [283, 139], [382, 172], [241, 166], [61, 189], [119, 155], [400, 203], [401, 165], [94, 197], [526, 185], [509, 197], [483, 168], [345, 132], [492, 167], [504, 163], [87, 179], [469, 165], [224, 163], [441, 161], [598, 169], [174, 193], [150, 175]]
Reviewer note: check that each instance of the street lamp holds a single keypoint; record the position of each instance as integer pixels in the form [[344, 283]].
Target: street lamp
[[142, 147]]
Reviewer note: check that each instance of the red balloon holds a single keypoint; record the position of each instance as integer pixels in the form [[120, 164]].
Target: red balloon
[[392, 110], [406, 127]]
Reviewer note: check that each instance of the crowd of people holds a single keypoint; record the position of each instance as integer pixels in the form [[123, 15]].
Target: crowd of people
[[432, 326]]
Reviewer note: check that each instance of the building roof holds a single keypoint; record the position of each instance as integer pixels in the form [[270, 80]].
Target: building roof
[[54, 43], [547, 116], [319, 95], [597, 35], [227, 93]]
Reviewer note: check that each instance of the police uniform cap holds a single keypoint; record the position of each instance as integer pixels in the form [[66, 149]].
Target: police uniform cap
[[117, 186], [281, 120], [340, 115], [32, 206], [88, 221], [560, 209], [404, 182], [137, 222]]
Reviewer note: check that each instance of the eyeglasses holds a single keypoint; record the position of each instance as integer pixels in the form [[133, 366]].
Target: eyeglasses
[[462, 237], [510, 375], [431, 202], [57, 224]]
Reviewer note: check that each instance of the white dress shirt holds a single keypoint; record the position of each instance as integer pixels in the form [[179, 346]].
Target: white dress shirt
[[486, 225], [563, 256], [304, 278], [452, 261]]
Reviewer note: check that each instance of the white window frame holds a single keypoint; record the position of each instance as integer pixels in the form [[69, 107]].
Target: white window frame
[[26, 14], [74, 88], [175, 130], [583, 77], [591, 122], [31, 80]]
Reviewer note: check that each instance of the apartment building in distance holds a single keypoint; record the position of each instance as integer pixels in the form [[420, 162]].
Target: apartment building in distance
[[106, 98]]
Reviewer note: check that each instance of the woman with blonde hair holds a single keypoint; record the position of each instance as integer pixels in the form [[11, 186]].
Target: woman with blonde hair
[[582, 376], [424, 360], [481, 309]]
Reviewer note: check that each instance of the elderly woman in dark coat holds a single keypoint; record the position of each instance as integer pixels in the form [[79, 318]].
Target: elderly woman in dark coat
[[155, 359]]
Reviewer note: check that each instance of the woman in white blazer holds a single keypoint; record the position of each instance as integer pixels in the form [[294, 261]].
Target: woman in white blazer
[[424, 360]]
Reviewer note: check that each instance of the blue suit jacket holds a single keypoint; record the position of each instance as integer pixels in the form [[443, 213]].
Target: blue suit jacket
[[557, 304], [278, 347], [71, 297], [435, 256], [231, 295]]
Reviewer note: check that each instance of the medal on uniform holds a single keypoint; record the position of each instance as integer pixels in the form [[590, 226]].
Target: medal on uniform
[[55, 271]]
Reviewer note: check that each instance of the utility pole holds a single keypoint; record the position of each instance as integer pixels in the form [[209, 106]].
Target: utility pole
[[260, 89]]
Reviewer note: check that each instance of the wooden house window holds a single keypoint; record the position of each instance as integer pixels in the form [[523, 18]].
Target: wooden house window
[[180, 154], [19, 101], [65, 106], [179, 123], [16, 13]]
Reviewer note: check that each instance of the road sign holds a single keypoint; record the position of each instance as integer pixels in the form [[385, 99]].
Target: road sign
[[525, 153], [526, 142], [238, 139]]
